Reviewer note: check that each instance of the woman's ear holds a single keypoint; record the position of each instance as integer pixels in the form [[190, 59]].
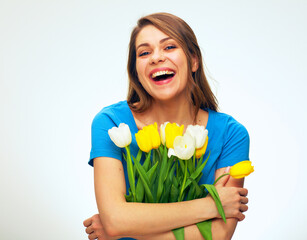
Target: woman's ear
[[195, 64]]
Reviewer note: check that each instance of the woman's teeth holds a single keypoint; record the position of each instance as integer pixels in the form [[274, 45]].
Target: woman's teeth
[[161, 73]]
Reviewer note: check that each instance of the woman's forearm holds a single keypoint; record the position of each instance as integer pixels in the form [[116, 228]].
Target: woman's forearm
[[223, 231], [220, 231], [133, 219], [190, 233]]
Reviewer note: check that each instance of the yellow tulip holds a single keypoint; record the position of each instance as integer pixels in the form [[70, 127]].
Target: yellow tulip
[[148, 138], [201, 151], [172, 130], [241, 169], [155, 137]]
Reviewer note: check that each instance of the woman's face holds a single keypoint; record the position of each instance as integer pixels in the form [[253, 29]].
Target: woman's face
[[161, 64]]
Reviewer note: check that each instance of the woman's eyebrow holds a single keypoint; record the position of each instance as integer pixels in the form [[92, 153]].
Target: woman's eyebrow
[[147, 44], [165, 39]]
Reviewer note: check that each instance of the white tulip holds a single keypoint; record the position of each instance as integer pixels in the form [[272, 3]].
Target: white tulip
[[121, 135], [162, 132], [184, 146], [199, 133], [171, 152]]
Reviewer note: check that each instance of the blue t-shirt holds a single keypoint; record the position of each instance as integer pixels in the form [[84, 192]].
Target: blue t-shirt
[[228, 139]]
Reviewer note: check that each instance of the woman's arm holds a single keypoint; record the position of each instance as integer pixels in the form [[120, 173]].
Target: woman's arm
[[121, 219], [221, 230]]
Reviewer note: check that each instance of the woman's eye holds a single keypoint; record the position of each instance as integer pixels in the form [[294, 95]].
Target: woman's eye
[[170, 47], [143, 54]]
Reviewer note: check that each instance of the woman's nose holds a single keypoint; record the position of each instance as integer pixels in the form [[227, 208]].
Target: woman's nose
[[157, 57]]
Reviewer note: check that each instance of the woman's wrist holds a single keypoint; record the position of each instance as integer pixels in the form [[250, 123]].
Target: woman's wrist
[[210, 210]]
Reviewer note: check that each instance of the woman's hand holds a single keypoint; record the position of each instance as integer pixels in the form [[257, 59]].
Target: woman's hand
[[233, 199], [94, 228]]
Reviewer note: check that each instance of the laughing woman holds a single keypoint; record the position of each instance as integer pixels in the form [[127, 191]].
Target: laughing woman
[[166, 83]]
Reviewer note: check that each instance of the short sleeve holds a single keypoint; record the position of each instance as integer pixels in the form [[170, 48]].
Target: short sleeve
[[102, 145], [236, 144]]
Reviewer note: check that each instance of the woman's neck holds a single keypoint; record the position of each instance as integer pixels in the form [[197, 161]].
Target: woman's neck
[[176, 111], [179, 112]]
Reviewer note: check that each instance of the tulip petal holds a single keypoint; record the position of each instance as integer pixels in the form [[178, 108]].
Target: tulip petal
[[121, 135], [184, 147], [199, 133], [162, 132], [148, 138], [171, 152], [172, 130], [201, 151], [241, 169]]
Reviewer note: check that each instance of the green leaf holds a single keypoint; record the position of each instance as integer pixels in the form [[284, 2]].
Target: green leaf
[[162, 174], [146, 164], [139, 155], [179, 233], [199, 193], [195, 174], [129, 197], [181, 194], [161, 147], [154, 175], [182, 168], [170, 163], [203, 189], [199, 162], [205, 229], [134, 168], [130, 172], [139, 191], [191, 193], [151, 174], [195, 191], [154, 183], [174, 193], [175, 182], [190, 166], [167, 185], [214, 194], [145, 180]]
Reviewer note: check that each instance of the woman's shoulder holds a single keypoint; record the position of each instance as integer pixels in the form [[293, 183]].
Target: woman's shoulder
[[114, 108], [226, 123], [113, 115]]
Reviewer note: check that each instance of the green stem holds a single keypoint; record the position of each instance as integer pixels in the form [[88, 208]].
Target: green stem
[[197, 160], [194, 166], [220, 178], [130, 173], [184, 180]]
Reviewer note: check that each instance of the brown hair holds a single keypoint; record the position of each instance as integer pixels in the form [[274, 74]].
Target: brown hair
[[180, 31]]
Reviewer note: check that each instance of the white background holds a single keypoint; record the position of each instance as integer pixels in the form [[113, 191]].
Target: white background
[[61, 61]]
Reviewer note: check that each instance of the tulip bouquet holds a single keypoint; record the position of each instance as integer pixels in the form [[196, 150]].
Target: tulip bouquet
[[169, 165]]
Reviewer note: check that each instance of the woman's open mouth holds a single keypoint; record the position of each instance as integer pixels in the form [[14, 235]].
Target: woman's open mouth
[[162, 77]]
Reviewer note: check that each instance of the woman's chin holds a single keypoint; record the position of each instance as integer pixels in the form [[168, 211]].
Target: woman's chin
[[166, 97]]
